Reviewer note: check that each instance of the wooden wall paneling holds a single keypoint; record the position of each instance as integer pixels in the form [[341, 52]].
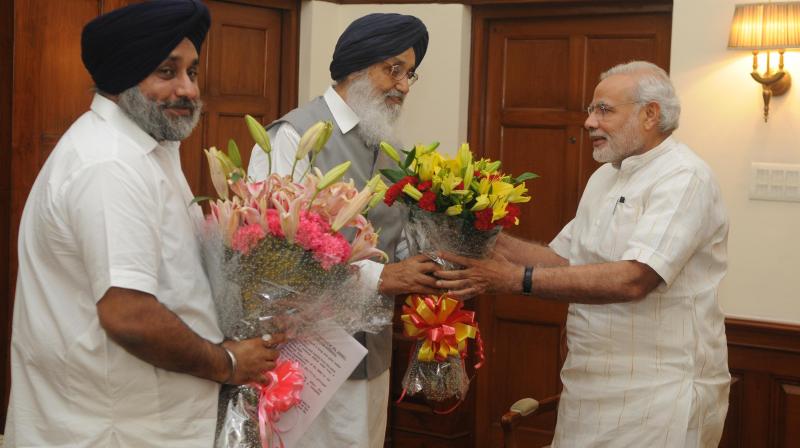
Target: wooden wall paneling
[[786, 412], [50, 89], [732, 434], [765, 405], [6, 90]]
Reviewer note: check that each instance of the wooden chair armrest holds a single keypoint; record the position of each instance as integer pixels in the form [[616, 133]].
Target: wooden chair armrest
[[525, 407]]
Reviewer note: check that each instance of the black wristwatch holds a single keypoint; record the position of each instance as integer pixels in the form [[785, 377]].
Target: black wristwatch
[[527, 280]]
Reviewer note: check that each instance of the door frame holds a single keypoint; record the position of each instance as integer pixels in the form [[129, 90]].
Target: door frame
[[483, 15]]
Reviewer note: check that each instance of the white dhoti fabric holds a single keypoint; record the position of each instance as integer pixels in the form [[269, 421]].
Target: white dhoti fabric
[[651, 373], [355, 417]]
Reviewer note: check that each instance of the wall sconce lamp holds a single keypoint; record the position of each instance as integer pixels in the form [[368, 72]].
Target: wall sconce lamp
[[767, 26]]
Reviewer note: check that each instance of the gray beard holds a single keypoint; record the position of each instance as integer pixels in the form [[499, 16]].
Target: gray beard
[[625, 143], [377, 119], [151, 117]]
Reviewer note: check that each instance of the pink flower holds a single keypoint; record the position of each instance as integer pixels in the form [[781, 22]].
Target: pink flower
[[314, 234], [273, 222], [364, 245], [247, 237]]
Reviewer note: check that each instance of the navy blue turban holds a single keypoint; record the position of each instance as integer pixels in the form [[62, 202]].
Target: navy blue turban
[[123, 47], [377, 37]]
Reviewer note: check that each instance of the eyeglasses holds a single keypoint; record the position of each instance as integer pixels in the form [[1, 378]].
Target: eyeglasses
[[604, 109], [398, 73]]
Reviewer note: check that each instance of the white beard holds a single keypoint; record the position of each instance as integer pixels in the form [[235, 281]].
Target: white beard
[[624, 143], [377, 118]]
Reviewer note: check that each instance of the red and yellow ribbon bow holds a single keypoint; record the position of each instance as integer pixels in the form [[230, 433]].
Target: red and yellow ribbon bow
[[442, 325]]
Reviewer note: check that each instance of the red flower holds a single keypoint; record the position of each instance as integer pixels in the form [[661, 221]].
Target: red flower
[[397, 189], [483, 219], [392, 193], [425, 186], [428, 201], [512, 213]]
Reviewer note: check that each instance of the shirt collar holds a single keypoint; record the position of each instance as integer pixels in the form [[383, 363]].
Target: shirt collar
[[344, 116], [634, 162], [109, 111]]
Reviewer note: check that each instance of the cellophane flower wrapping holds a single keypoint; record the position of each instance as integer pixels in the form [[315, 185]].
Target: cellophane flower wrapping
[[436, 369], [442, 381], [459, 205], [276, 265], [430, 232]]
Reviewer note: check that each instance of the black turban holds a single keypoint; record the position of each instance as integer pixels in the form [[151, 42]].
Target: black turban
[[123, 47], [377, 37]]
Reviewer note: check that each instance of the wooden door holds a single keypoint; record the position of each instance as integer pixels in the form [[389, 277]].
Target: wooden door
[[248, 65], [536, 71]]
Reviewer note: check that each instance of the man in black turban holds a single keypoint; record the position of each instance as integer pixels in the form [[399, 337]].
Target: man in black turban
[[115, 339], [374, 64]]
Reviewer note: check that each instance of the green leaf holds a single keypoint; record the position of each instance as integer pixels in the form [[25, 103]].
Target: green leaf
[[525, 176], [393, 175], [233, 154], [409, 158], [199, 199]]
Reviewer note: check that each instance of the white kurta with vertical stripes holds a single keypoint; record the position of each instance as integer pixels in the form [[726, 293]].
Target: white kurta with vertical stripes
[[652, 373]]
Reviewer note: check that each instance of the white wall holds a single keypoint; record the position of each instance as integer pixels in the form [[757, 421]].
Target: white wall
[[722, 120], [436, 107]]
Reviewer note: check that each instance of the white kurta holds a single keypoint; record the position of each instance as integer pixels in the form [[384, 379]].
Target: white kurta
[[651, 373], [109, 208], [355, 416]]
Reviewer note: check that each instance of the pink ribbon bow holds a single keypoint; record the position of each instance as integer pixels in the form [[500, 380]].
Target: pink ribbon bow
[[281, 394]]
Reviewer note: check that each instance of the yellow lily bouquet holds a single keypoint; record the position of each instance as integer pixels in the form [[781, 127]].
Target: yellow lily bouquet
[[459, 205], [456, 204], [278, 261]]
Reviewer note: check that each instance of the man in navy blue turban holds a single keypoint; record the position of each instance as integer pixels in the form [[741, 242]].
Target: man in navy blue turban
[[374, 64], [115, 339]]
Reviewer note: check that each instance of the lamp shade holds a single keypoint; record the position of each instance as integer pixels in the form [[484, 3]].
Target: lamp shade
[[765, 26]]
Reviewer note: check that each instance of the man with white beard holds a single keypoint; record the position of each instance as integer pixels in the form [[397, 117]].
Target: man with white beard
[[115, 339], [374, 64], [640, 266]]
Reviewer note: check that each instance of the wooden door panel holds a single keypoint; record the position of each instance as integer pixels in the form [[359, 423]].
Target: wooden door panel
[[545, 149], [535, 81], [540, 75], [244, 63]]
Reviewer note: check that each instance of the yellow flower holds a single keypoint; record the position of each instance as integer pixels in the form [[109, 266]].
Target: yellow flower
[[483, 186], [481, 202], [517, 195], [499, 209], [428, 165], [412, 191], [448, 183], [501, 189], [464, 156], [454, 210]]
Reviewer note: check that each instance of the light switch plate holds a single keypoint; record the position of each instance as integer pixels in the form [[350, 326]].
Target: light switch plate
[[775, 182]]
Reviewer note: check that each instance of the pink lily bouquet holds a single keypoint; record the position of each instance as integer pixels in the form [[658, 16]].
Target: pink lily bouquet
[[279, 258]]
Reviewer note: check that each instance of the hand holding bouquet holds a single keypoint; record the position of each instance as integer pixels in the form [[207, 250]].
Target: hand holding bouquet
[[459, 205], [279, 261]]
